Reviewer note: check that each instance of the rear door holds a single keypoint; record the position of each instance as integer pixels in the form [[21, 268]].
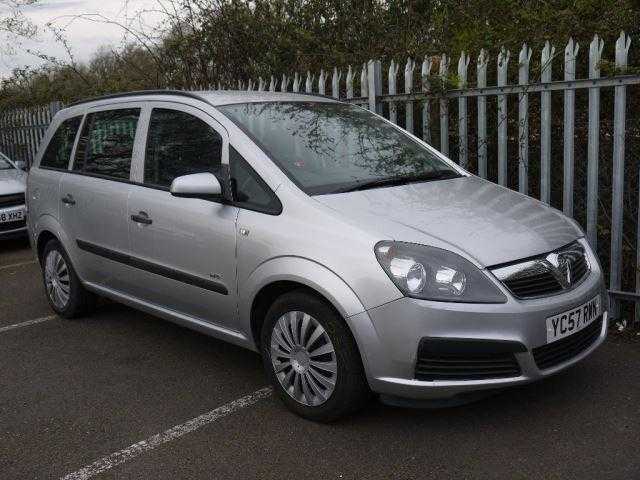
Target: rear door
[[185, 247], [94, 195]]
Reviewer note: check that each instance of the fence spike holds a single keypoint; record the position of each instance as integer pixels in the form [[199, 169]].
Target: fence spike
[[444, 106], [593, 143], [481, 75], [296, 82], [364, 81], [570, 55], [503, 64], [427, 65], [272, 84], [335, 82], [463, 154], [546, 61], [322, 79], [393, 108], [408, 88], [524, 60], [309, 83], [285, 83], [617, 202], [350, 82], [261, 84]]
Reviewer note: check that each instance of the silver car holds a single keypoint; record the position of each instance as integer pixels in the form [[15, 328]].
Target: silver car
[[352, 255], [13, 182]]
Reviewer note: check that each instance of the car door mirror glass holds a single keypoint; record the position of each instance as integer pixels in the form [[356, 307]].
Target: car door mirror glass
[[21, 165], [197, 185]]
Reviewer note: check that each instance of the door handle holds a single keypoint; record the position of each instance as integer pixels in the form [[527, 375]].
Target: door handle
[[142, 217], [68, 199]]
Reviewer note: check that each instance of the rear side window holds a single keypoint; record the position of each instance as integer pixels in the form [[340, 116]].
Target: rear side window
[[249, 190], [58, 152], [179, 144], [105, 147]]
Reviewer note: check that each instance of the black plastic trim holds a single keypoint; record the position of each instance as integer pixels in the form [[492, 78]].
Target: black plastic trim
[[468, 346], [154, 268]]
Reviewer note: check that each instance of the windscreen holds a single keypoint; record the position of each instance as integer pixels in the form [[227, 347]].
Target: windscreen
[[331, 147]]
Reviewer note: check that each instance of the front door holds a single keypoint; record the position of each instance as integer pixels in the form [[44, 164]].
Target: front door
[[184, 247]]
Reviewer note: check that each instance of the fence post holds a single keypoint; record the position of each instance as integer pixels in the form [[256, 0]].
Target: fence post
[[374, 76], [523, 121], [570, 54], [335, 82], [350, 82], [427, 63], [481, 72], [322, 78], [617, 203], [364, 82], [309, 82], [593, 145], [545, 124], [408, 88], [463, 141], [503, 63], [444, 106], [393, 109], [285, 83], [296, 82]]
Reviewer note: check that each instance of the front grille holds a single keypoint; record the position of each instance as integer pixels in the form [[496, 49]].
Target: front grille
[[7, 226], [563, 350], [12, 200], [547, 274], [466, 359]]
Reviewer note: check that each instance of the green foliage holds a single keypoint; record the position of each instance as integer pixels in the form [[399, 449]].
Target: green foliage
[[205, 42]]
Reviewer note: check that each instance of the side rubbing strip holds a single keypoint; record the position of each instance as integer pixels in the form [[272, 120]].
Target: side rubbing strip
[[152, 267]]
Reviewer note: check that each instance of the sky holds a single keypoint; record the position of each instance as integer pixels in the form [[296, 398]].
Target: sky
[[84, 36]]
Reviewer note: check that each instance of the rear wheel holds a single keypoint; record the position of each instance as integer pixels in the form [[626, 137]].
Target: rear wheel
[[312, 359], [65, 292]]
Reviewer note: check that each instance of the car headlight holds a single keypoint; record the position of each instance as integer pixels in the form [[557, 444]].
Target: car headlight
[[432, 273]]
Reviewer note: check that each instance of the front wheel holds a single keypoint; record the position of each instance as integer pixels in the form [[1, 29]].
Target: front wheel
[[312, 359]]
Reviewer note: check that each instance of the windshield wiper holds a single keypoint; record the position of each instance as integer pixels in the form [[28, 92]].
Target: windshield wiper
[[402, 180]]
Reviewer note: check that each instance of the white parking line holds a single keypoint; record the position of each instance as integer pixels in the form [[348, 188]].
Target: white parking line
[[132, 451], [15, 265], [27, 323]]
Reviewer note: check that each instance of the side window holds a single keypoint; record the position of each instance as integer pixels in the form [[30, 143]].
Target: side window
[[106, 144], [58, 152], [179, 144], [249, 190]]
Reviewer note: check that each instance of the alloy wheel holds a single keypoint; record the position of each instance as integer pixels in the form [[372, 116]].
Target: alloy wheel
[[303, 358], [56, 279]]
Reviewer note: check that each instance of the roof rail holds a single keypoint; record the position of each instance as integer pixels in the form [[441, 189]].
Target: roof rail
[[135, 93]]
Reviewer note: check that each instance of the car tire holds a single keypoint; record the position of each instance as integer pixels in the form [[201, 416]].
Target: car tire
[[65, 293], [304, 387]]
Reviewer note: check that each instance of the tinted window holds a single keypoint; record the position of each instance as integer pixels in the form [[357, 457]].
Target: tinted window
[[179, 144], [333, 147], [58, 151], [106, 145], [249, 189]]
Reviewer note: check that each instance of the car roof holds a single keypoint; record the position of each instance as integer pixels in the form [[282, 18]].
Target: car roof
[[213, 97]]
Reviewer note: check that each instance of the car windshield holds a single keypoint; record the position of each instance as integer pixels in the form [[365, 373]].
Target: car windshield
[[328, 147], [5, 164]]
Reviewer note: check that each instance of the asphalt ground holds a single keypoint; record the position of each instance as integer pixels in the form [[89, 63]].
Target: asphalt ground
[[122, 394]]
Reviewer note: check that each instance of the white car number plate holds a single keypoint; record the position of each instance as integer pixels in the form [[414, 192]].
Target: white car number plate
[[572, 321], [11, 215]]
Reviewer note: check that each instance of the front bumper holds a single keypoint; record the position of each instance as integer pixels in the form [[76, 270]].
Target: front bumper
[[389, 336]]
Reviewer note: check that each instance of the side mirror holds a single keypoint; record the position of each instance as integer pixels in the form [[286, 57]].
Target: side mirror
[[21, 165], [197, 185]]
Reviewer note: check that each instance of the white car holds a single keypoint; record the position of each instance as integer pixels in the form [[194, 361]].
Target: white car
[[13, 180]]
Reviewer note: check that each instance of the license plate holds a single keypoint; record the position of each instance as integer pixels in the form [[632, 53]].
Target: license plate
[[12, 215], [572, 321]]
